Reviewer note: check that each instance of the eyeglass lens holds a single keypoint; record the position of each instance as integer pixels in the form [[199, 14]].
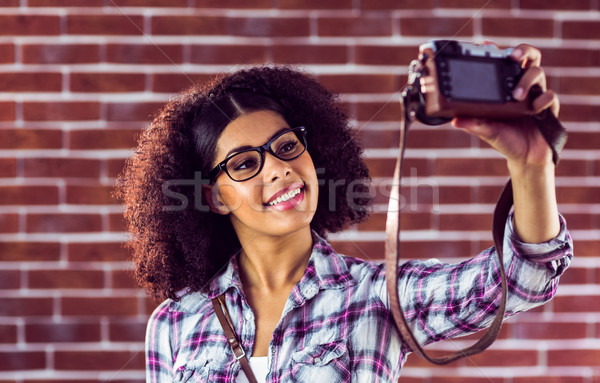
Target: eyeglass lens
[[247, 164]]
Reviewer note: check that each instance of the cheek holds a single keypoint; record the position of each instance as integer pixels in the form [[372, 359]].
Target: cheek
[[241, 196]]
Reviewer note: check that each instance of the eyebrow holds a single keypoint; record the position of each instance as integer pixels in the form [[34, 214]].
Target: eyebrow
[[245, 147]]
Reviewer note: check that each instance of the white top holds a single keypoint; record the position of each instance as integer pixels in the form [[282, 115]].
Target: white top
[[260, 368]]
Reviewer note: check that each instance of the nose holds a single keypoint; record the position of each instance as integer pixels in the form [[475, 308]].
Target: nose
[[274, 168]]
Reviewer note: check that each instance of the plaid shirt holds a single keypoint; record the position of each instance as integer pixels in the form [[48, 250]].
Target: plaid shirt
[[336, 325]]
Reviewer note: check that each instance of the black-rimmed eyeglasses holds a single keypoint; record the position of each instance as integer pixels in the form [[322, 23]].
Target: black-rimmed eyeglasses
[[243, 165]]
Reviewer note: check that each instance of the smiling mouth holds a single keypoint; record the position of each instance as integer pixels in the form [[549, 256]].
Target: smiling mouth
[[285, 197]]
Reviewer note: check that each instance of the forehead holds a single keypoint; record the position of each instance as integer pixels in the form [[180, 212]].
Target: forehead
[[252, 129]]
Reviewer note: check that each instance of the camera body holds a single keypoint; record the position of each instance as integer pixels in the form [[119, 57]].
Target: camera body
[[457, 79]]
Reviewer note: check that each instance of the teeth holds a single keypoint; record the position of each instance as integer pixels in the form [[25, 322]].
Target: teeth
[[285, 197]]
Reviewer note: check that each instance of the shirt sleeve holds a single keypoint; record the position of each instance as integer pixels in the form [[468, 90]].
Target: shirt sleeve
[[442, 301], [159, 350]]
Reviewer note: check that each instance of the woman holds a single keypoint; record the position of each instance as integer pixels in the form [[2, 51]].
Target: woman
[[256, 153]]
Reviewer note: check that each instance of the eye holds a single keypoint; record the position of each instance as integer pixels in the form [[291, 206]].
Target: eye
[[287, 147], [245, 164]]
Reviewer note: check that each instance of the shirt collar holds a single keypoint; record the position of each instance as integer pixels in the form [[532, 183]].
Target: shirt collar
[[326, 269]]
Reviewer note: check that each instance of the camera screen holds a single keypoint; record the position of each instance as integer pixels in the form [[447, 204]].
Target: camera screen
[[474, 81]]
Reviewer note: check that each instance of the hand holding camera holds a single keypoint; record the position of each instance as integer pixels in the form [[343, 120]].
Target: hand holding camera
[[486, 91]]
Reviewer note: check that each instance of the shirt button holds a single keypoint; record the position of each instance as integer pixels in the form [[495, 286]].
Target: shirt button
[[317, 360], [248, 316]]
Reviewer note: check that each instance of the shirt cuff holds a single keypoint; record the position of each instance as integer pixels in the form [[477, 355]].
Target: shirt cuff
[[554, 249]]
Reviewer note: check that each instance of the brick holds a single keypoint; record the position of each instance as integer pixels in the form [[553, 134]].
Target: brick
[[29, 25], [115, 166], [26, 307], [8, 167], [572, 358], [102, 139], [164, 83], [309, 54], [9, 3], [107, 82], [579, 113], [62, 332], [139, 111], [116, 222], [93, 195], [268, 26], [123, 279], [189, 25], [519, 357], [60, 53], [580, 29], [30, 138], [437, 138], [8, 333], [355, 26], [61, 111], [61, 167], [94, 306], [446, 27], [361, 83], [29, 251], [579, 85], [489, 194], [28, 195], [475, 4], [470, 167], [581, 221], [576, 276], [408, 221], [378, 111], [97, 252], [22, 360], [104, 24], [385, 55], [574, 168], [104, 360], [464, 222], [228, 54], [9, 223], [10, 279], [65, 3], [149, 3], [581, 303], [583, 140], [144, 54], [456, 195], [392, 4], [520, 27], [549, 379], [589, 194], [587, 248], [555, 330], [7, 53], [7, 111], [560, 4], [384, 167], [66, 279], [31, 82], [127, 331], [570, 57], [315, 4], [243, 4], [63, 223]]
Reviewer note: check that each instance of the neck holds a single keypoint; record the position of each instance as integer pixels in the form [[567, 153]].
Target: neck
[[271, 264]]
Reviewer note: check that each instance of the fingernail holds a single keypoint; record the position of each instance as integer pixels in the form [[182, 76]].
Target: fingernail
[[518, 93], [517, 53]]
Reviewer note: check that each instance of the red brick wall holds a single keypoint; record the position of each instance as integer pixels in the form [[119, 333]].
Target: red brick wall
[[79, 78]]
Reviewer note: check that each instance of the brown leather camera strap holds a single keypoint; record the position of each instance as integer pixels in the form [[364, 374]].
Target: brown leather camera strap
[[232, 338], [555, 135]]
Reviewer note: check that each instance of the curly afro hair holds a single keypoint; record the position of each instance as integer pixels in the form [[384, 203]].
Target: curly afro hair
[[185, 245]]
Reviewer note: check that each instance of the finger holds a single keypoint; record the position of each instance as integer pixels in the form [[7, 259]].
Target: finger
[[477, 126], [531, 77], [548, 99], [527, 55]]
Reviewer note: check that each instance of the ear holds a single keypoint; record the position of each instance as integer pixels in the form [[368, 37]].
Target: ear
[[211, 196]]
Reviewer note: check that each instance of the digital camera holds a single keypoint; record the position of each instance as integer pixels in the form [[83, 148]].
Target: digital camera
[[457, 79]]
